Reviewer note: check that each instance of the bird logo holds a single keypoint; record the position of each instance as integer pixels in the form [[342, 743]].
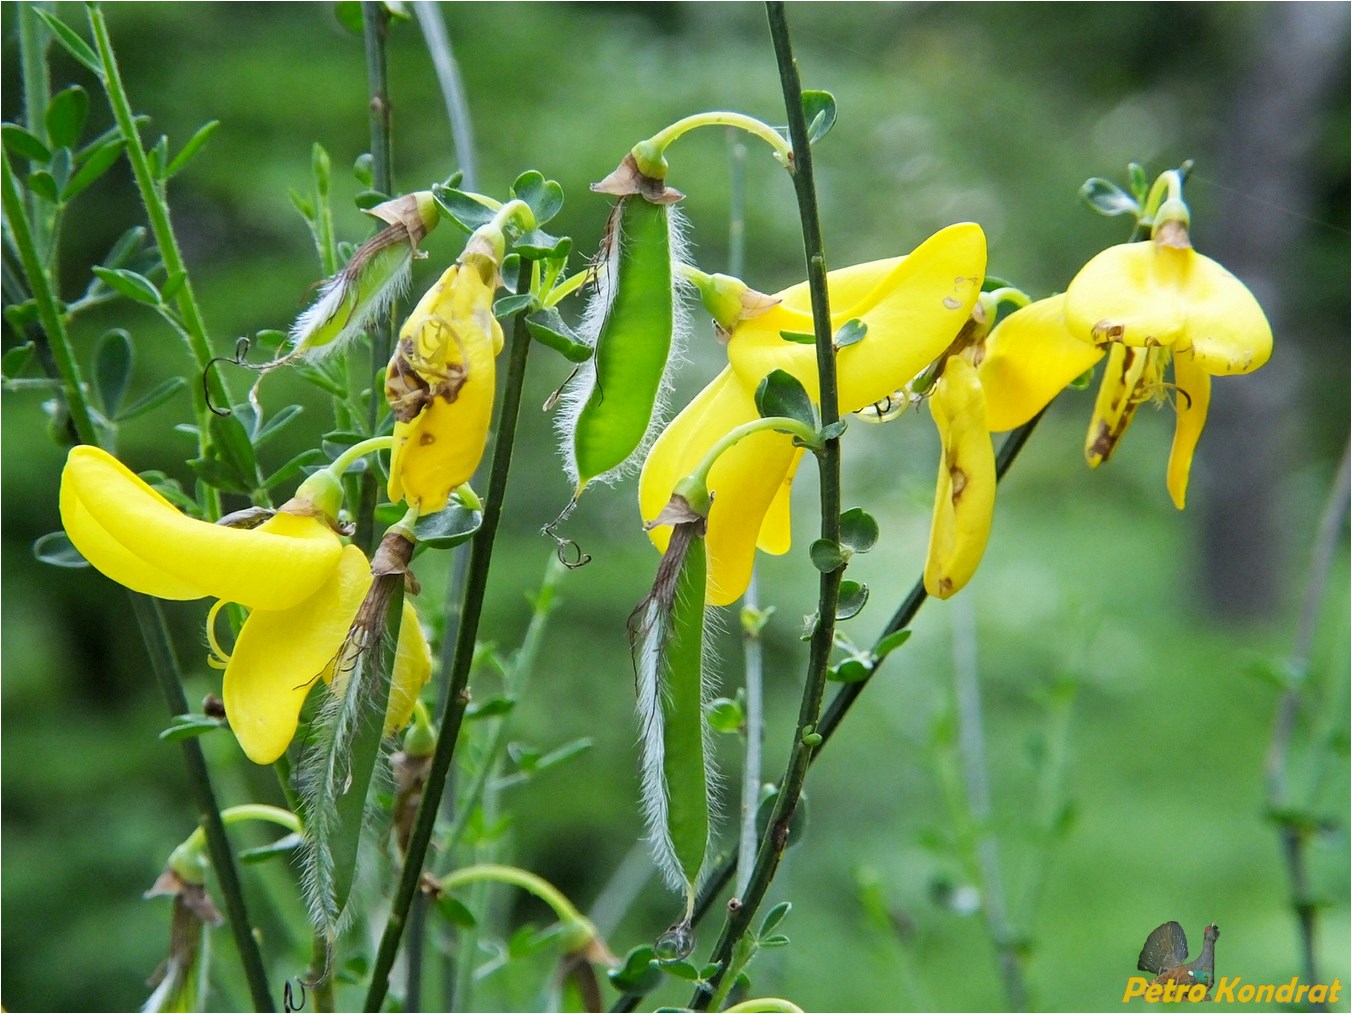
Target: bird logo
[[1165, 956]]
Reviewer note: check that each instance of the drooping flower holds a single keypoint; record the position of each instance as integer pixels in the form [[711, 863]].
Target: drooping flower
[[300, 583], [912, 308], [440, 384]]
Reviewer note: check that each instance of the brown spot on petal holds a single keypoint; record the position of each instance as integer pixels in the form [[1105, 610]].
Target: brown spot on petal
[[958, 478], [952, 303], [1106, 332], [425, 439], [945, 587]]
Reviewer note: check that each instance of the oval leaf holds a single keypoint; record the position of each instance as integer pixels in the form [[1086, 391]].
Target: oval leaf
[[819, 110], [112, 369], [851, 333], [161, 393], [545, 197], [858, 530], [465, 210], [98, 163], [65, 118], [449, 527], [548, 328], [130, 284], [780, 394], [193, 146], [24, 143], [74, 45], [853, 596], [826, 555]]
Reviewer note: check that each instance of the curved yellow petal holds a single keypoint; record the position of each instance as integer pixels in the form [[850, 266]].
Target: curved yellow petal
[[777, 529], [281, 653], [1227, 329], [964, 498], [455, 339], [412, 670], [913, 307], [1028, 360], [1131, 376], [138, 538], [1192, 396], [745, 482], [1133, 293]]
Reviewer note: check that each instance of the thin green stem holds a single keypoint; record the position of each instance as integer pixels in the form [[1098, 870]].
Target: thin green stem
[[164, 663], [37, 92], [161, 227], [775, 839], [452, 88], [651, 154], [358, 450], [1293, 832], [53, 326], [563, 908], [782, 424], [481, 556]]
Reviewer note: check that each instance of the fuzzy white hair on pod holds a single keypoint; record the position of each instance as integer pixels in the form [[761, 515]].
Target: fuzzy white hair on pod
[[653, 695], [578, 391], [339, 298]]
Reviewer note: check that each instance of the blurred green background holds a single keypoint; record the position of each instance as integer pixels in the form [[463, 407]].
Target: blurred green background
[[1104, 621]]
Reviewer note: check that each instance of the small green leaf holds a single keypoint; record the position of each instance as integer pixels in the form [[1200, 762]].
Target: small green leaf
[[638, 972], [66, 114], [447, 528], [681, 970], [231, 445], [158, 157], [183, 727], [775, 940], [549, 329], [160, 394], [98, 163], [23, 143], [799, 337], [193, 146], [112, 369], [74, 45], [130, 284], [44, 185], [774, 917], [508, 305], [827, 555], [780, 394], [172, 285], [302, 204], [538, 245], [725, 715], [55, 549], [1107, 198], [275, 425], [853, 596], [464, 209], [285, 845], [1140, 184], [293, 468], [819, 111], [889, 644], [852, 670], [564, 753], [126, 247], [364, 168], [754, 620], [16, 360], [451, 910], [810, 623], [494, 707], [858, 530], [852, 332], [833, 431], [545, 197]]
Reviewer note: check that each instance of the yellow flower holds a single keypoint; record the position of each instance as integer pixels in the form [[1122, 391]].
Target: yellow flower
[[912, 306], [440, 385], [302, 586]]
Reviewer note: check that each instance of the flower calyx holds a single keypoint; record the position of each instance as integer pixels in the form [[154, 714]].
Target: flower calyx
[[629, 179]]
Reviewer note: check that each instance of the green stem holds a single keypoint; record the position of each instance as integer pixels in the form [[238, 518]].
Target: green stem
[[564, 909], [157, 214], [37, 92], [452, 89], [457, 700], [164, 664], [358, 450], [651, 154], [375, 21], [53, 326], [779, 423], [775, 839]]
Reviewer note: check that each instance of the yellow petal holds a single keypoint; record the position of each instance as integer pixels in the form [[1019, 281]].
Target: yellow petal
[[1227, 329], [1028, 360], [281, 653], [1134, 293], [1131, 376], [745, 482], [412, 670], [456, 338], [913, 307], [964, 498], [777, 529], [1192, 397], [138, 538]]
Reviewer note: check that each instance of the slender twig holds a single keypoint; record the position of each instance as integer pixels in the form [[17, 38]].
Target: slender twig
[[775, 839], [971, 743], [843, 701], [164, 663], [37, 92], [166, 241], [53, 330], [452, 89], [481, 555], [1293, 831]]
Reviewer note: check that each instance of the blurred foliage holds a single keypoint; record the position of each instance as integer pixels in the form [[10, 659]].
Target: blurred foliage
[[947, 112]]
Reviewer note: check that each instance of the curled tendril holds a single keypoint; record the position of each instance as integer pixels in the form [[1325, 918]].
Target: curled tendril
[[570, 554], [289, 1002]]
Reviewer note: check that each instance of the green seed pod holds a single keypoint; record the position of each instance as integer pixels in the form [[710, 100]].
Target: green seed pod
[[636, 325], [667, 637]]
